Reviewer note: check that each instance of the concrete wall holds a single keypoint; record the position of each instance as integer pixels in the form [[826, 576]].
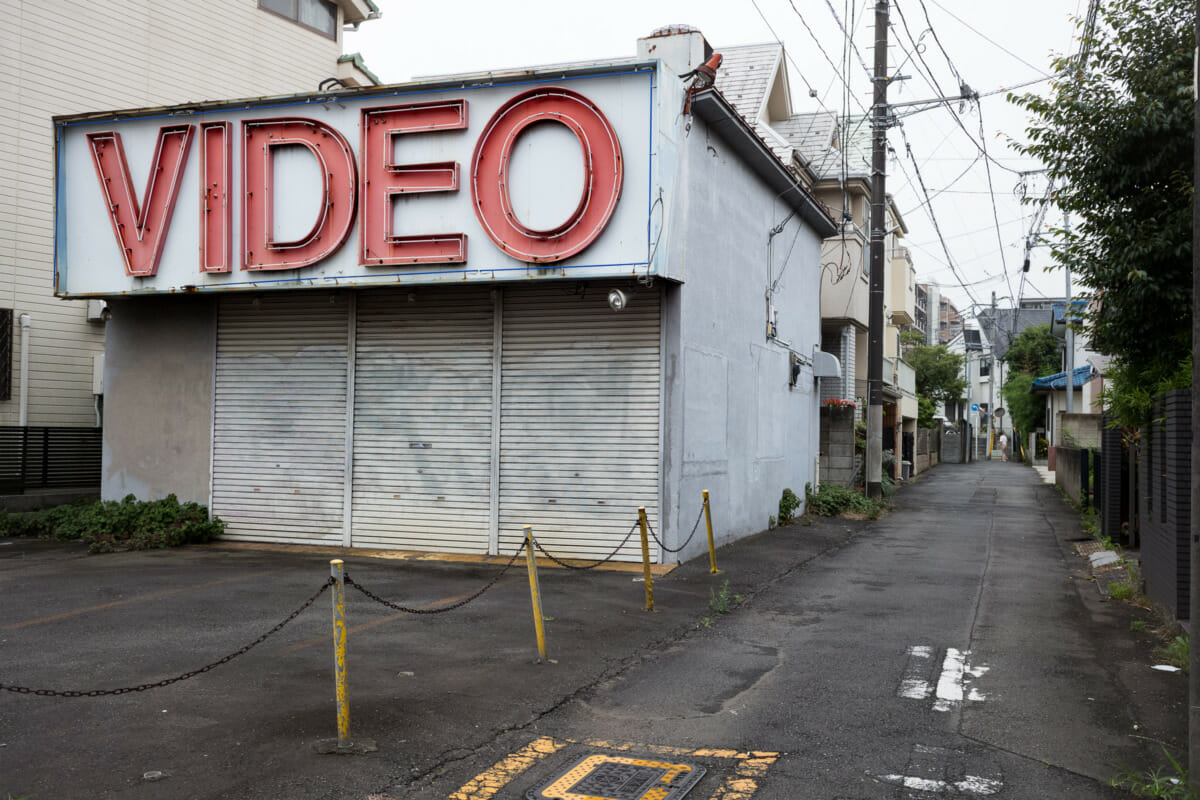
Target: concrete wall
[[1078, 430], [76, 56], [158, 374], [731, 423], [837, 446]]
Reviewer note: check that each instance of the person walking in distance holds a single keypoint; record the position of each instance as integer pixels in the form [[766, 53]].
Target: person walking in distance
[[1003, 446]]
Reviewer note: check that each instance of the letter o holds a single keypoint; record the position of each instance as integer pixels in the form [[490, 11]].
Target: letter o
[[601, 185]]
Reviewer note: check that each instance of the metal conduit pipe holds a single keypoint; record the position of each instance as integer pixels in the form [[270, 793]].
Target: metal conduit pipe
[[23, 402]]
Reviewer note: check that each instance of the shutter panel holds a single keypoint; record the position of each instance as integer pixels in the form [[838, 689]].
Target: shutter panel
[[423, 419], [279, 427], [579, 437]]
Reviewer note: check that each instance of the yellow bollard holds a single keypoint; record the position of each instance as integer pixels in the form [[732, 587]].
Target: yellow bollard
[[535, 593], [337, 570], [712, 551], [646, 559]]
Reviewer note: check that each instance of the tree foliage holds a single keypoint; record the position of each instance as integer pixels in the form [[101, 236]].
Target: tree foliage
[[937, 372], [1116, 137], [1027, 411], [1035, 351]]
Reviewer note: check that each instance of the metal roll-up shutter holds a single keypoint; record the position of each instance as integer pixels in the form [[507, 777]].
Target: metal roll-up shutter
[[279, 424], [423, 419], [579, 438]]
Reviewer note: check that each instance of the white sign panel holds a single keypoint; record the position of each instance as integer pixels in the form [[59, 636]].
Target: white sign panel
[[417, 185]]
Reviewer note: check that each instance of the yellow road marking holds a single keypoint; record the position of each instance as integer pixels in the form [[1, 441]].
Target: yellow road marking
[[749, 767], [137, 598], [486, 784]]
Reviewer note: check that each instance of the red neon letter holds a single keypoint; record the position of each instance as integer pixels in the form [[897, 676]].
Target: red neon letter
[[601, 184], [216, 214], [336, 160], [383, 179], [141, 229]]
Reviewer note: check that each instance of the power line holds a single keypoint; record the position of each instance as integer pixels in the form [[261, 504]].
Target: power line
[[983, 35]]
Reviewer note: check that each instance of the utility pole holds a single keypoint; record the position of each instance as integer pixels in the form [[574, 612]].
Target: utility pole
[[991, 378], [1070, 338], [1194, 600], [879, 122]]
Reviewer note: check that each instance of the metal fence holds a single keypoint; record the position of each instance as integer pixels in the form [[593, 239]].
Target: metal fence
[[49, 458]]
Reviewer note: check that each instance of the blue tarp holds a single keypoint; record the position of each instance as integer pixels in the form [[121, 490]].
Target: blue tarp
[[1058, 380]]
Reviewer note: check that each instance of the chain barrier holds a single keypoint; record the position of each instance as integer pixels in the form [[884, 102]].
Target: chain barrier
[[604, 560], [686, 542], [440, 609], [143, 687]]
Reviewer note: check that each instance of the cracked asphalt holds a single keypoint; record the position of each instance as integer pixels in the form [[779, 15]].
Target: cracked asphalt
[[955, 647]]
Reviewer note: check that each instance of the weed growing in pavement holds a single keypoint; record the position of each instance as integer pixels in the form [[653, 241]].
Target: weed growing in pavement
[[723, 602], [1123, 590], [1158, 782], [1177, 652], [788, 504], [706, 622], [1139, 626], [833, 501]]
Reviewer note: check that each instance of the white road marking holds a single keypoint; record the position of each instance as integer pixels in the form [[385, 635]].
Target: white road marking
[[914, 685], [970, 784], [954, 682]]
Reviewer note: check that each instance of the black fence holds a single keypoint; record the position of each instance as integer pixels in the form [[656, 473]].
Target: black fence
[[1164, 501], [49, 458]]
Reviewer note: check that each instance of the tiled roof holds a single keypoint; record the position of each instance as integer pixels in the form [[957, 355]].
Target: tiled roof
[[744, 79], [827, 162]]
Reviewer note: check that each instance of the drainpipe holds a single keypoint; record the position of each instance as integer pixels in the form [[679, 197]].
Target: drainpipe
[[23, 412]]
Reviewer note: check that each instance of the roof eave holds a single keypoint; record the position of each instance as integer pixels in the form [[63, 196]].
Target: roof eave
[[711, 107]]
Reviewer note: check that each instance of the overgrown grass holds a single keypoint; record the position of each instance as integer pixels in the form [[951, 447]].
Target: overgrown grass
[[1166, 782], [832, 500], [1123, 590], [126, 525], [1177, 652]]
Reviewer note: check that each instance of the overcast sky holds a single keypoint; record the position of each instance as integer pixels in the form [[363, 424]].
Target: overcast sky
[[992, 45]]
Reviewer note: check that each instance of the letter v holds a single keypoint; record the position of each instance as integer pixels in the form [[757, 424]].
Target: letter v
[[141, 229]]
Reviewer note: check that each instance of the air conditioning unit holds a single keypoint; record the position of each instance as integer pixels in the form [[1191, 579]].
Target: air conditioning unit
[[95, 310]]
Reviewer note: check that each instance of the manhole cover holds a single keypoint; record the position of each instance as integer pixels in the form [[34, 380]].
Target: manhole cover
[[619, 778]]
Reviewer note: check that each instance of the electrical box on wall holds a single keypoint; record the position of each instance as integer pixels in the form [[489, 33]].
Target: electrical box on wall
[[98, 373], [95, 312]]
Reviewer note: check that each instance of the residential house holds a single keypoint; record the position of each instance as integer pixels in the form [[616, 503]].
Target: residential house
[[80, 56]]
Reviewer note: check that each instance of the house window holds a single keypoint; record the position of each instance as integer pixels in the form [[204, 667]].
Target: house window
[[6, 353], [319, 15]]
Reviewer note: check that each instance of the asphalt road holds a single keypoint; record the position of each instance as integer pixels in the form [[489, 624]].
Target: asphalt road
[[956, 647]]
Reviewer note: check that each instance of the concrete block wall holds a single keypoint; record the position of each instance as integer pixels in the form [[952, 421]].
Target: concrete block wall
[[1080, 430], [837, 446]]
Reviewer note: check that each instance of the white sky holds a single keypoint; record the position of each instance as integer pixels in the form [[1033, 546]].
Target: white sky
[[428, 38]]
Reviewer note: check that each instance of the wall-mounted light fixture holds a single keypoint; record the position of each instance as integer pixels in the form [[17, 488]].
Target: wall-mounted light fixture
[[617, 299]]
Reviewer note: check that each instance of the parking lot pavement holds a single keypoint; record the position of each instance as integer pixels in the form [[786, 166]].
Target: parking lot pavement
[[423, 687]]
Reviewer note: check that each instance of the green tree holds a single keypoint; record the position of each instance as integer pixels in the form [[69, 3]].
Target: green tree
[[1035, 351], [937, 373], [1027, 411], [1116, 137], [926, 408]]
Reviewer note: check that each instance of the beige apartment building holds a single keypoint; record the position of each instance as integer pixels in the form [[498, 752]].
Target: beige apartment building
[[78, 56]]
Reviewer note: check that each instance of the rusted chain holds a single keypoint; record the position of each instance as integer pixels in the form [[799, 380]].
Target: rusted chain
[[440, 609], [688, 541], [145, 686], [604, 560]]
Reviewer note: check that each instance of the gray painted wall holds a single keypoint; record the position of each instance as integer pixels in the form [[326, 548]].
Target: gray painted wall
[[158, 370], [732, 424]]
